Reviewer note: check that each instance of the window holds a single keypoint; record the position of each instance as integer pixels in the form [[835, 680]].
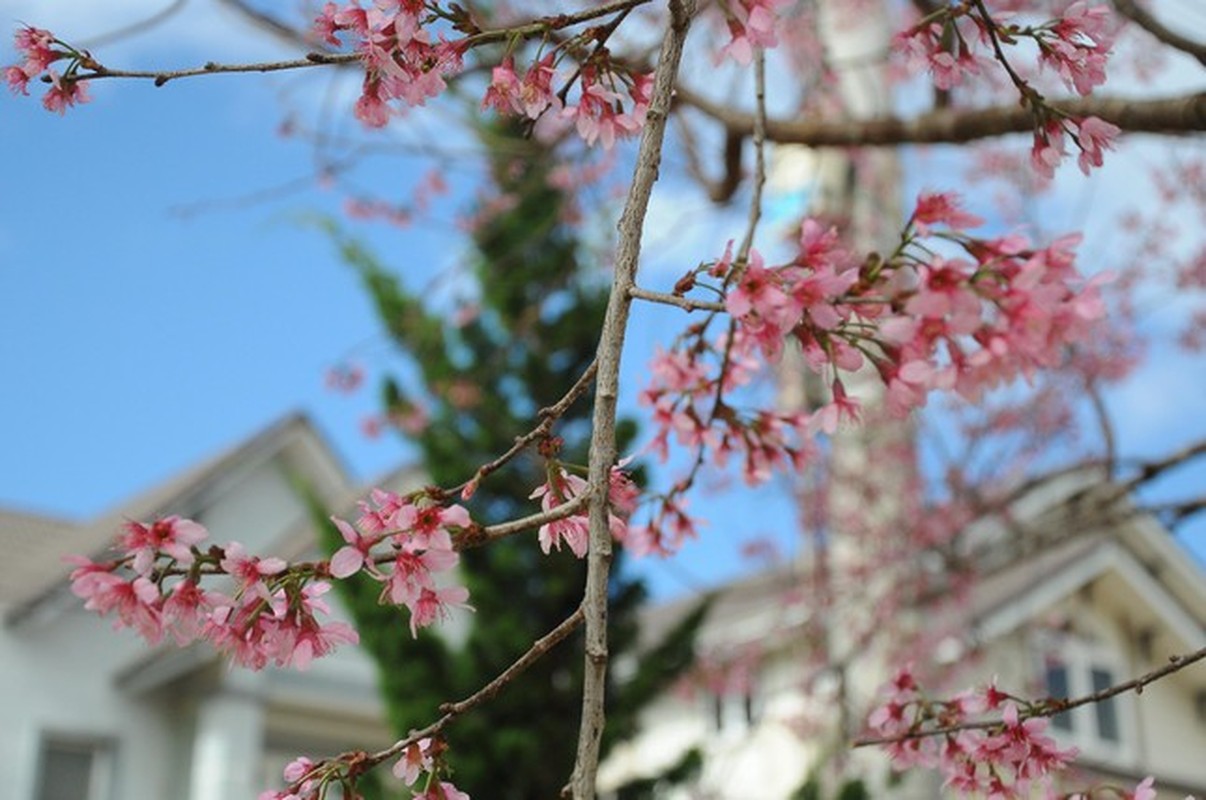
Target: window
[[1079, 668], [734, 712], [74, 769]]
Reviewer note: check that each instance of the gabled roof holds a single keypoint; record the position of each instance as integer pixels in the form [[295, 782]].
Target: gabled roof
[[36, 545], [1099, 532], [1076, 550]]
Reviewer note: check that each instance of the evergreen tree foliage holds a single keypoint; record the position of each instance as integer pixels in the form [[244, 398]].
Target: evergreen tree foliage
[[534, 334]]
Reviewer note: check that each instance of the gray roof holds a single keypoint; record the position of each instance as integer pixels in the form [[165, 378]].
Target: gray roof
[[36, 545]]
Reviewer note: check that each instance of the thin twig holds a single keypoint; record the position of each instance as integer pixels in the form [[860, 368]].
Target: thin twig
[[1028, 94], [548, 416], [1105, 425], [685, 303], [492, 533], [533, 29], [1051, 708], [451, 711], [755, 212]]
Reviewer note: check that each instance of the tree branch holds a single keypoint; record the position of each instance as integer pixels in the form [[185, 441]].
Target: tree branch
[[603, 435], [1052, 707], [1183, 114], [534, 29], [1144, 19], [548, 416], [451, 711]]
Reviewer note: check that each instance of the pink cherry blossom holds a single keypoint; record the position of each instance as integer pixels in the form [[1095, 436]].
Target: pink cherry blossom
[[503, 92], [17, 79], [415, 760], [442, 790], [573, 530], [751, 24], [943, 208], [170, 536], [64, 93], [348, 560], [249, 570], [1092, 137], [433, 605]]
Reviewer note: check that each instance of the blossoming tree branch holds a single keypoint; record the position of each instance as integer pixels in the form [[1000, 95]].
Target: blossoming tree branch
[[954, 307]]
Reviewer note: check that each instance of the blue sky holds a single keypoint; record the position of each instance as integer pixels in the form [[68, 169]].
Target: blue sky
[[136, 340]]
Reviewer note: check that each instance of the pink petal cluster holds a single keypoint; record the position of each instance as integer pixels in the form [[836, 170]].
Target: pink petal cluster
[[154, 586], [39, 49], [528, 97], [401, 60], [1092, 136], [923, 322], [416, 547], [751, 24], [1077, 45], [308, 780], [949, 60], [1007, 760], [599, 114], [574, 530]]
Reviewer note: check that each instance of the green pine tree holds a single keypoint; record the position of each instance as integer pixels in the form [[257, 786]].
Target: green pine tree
[[535, 334]]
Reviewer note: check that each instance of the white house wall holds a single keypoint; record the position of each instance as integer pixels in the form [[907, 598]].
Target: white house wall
[[255, 510], [57, 680]]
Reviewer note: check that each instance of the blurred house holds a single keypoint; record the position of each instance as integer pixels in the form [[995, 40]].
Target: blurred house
[[93, 714], [1096, 604]]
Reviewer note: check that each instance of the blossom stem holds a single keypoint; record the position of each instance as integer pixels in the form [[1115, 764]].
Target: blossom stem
[[1050, 708]]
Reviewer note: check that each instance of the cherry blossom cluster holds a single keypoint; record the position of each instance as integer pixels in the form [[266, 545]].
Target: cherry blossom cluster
[[687, 396], [40, 50], [599, 114], [985, 742], [266, 614], [310, 780], [1076, 45], [952, 42], [921, 320], [401, 60], [751, 24], [269, 612], [918, 320], [1092, 136], [574, 530], [1004, 760], [417, 539]]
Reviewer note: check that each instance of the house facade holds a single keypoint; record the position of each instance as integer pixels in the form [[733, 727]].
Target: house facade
[[93, 714], [1098, 604]]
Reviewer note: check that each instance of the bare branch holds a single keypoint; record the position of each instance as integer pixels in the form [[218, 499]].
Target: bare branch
[[548, 416], [534, 29], [453, 710], [1051, 707], [603, 434], [1184, 114], [1144, 19]]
